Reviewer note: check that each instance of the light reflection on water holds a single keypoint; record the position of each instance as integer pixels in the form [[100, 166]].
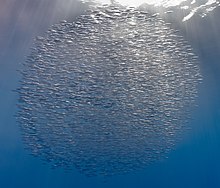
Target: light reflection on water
[[189, 8], [165, 3]]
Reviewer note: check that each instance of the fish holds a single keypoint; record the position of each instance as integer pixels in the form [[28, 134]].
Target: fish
[[112, 97]]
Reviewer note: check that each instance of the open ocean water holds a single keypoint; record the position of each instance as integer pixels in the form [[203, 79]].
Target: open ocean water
[[114, 96]]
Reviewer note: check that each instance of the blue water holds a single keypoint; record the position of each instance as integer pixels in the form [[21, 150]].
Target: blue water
[[194, 162]]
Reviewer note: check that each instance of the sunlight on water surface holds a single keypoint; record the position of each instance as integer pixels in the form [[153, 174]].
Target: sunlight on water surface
[[165, 3]]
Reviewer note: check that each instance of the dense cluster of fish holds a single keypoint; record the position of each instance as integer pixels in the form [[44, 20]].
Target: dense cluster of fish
[[180, 9], [108, 93]]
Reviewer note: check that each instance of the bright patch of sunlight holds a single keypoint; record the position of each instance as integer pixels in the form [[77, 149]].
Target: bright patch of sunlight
[[164, 3]]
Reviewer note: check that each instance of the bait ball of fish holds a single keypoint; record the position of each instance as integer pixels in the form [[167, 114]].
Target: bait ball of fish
[[109, 93]]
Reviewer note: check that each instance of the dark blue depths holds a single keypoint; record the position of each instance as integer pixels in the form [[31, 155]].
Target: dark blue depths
[[194, 162]]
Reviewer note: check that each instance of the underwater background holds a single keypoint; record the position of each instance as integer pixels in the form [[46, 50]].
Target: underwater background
[[193, 161]]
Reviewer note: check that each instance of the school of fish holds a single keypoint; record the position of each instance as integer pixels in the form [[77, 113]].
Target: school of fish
[[109, 93]]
